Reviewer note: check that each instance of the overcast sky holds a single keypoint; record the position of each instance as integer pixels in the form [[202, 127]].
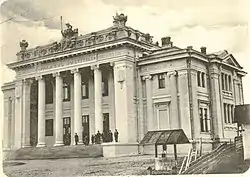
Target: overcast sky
[[216, 24]]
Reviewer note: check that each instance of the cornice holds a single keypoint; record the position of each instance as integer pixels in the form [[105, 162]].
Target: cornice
[[71, 53]]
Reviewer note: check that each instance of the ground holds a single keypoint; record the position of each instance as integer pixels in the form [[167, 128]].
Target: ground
[[135, 165]]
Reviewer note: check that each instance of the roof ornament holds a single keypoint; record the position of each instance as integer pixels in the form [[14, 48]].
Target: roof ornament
[[120, 20], [24, 44], [69, 32]]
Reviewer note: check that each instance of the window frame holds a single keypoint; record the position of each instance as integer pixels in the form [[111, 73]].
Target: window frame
[[161, 81]]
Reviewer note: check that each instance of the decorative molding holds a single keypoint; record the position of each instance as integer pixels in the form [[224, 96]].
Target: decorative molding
[[56, 74], [147, 77], [75, 70], [95, 67], [40, 77]]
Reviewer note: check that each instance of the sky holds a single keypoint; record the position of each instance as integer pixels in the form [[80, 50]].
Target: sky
[[215, 24]]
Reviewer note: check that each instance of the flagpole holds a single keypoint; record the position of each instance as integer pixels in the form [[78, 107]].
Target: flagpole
[[61, 24]]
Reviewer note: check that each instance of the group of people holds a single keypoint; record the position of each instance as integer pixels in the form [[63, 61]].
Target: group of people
[[104, 137], [99, 138]]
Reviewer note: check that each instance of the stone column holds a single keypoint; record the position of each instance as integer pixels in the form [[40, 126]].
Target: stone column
[[26, 113], [58, 110], [174, 118], [111, 99], [98, 98], [150, 110], [77, 104], [41, 111]]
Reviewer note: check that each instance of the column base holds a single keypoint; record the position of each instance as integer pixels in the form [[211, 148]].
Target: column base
[[41, 145], [80, 143], [116, 149], [59, 143]]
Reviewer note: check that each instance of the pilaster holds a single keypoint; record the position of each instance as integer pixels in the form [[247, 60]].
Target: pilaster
[[18, 114], [216, 101], [124, 101], [150, 110], [26, 113], [174, 122]]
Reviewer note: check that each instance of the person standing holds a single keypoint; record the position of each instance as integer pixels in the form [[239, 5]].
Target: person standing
[[116, 135], [92, 139], [76, 138], [98, 137], [110, 136]]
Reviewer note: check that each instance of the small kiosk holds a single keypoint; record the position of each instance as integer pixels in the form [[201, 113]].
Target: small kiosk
[[164, 138], [242, 118]]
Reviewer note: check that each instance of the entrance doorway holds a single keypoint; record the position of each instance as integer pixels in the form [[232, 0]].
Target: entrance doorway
[[85, 133], [106, 127], [66, 131]]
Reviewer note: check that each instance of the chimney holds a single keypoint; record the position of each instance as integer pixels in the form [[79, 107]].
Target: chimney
[[189, 47], [166, 42], [204, 50]]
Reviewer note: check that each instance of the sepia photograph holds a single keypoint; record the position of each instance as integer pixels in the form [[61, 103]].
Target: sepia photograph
[[124, 87]]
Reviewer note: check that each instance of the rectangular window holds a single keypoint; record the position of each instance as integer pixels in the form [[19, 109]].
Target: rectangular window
[[161, 81], [49, 127], [85, 90], [222, 81], [201, 119], [225, 112], [66, 92], [232, 113], [105, 88], [204, 119], [230, 83], [85, 119], [226, 82], [198, 78], [203, 79]]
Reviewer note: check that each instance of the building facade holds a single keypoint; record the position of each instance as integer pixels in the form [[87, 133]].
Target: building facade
[[118, 78]]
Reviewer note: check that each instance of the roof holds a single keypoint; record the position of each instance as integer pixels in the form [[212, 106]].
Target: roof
[[159, 137]]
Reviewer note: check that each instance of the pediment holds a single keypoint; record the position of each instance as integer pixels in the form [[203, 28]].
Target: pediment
[[230, 60]]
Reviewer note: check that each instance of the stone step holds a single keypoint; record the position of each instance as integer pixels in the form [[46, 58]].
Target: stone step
[[80, 151]]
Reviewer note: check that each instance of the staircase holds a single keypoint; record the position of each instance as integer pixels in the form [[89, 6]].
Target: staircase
[[208, 162], [62, 152]]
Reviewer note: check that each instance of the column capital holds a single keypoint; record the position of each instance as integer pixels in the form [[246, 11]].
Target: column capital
[[56, 74], [28, 81], [147, 77], [95, 67], [75, 70], [112, 64], [40, 77], [172, 73]]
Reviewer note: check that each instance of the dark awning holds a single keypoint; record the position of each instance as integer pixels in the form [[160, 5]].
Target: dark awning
[[165, 137]]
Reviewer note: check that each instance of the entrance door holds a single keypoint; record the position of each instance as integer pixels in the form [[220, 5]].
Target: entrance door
[[66, 131], [105, 127], [85, 133]]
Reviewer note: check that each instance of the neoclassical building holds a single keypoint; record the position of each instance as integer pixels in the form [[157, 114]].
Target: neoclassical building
[[118, 78]]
